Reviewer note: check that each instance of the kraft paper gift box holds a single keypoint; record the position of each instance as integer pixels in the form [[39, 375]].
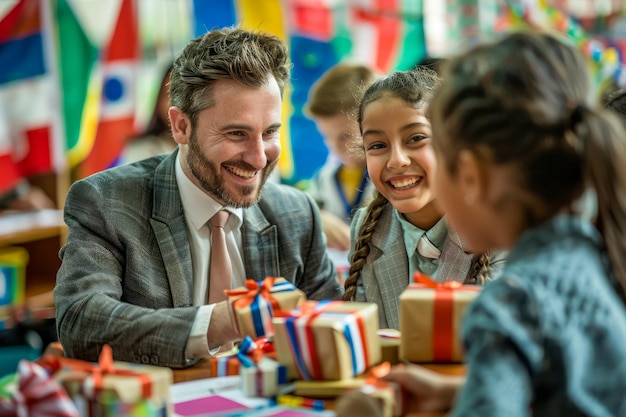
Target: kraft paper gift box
[[328, 340], [252, 308], [264, 378], [431, 314], [388, 394], [261, 375], [109, 388]]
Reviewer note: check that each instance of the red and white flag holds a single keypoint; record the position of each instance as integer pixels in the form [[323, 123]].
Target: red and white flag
[[117, 109]]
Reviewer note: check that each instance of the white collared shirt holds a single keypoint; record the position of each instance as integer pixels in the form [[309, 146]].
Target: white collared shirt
[[198, 208]]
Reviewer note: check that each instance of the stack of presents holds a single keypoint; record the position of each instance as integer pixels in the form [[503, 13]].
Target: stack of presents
[[313, 348]]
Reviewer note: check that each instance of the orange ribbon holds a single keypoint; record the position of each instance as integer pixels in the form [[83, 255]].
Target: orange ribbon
[[443, 317], [250, 292], [424, 279], [372, 378], [105, 366]]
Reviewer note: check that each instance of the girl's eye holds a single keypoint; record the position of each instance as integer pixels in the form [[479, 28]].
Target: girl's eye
[[375, 146], [418, 138]]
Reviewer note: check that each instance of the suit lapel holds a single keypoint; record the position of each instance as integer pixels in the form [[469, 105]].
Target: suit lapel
[[260, 242], [454, 262], [390, 264], [170, 229]]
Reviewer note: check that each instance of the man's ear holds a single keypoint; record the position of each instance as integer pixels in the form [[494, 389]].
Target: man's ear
[[180, 125], [472, 177]]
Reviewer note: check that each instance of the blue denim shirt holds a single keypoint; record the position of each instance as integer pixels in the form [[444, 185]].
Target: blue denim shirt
[[548, 338]]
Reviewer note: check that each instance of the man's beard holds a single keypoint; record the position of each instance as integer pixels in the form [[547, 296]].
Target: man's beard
[[213, 182]]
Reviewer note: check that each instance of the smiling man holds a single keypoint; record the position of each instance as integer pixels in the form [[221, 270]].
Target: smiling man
[[137, 271]]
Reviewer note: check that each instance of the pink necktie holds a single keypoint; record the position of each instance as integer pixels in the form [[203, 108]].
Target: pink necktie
[[220, 270]]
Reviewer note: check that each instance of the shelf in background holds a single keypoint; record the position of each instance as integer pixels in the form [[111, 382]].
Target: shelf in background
[[17, 228]]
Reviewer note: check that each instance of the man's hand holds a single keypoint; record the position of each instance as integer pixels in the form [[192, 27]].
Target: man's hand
[[221, 330]]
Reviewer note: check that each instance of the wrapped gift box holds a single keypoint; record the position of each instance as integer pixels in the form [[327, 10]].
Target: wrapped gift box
[[430, 319], [264, 378], [389, 395], [111, 388], [328, 340], [253, 307], [224, 366]]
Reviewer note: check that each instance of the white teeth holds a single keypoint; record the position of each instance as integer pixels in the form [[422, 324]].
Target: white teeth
[[404, 183], [241, 172]]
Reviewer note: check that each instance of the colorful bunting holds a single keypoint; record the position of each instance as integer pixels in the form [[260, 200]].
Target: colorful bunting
[[47, 54]]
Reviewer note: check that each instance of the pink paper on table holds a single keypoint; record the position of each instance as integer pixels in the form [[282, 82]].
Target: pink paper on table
[[293, 413], [212, 404]]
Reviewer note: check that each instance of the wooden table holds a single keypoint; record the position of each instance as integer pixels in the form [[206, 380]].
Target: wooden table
[[202, 370]]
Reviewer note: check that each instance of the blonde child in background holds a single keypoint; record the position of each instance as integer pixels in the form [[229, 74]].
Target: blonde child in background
[[157, 137], [403, 230], [341, 185], [520, 138]]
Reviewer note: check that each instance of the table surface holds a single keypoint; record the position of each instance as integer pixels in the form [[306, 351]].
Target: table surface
[[201, 370]]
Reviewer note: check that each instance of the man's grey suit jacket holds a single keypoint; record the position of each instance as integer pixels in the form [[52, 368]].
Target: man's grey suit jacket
[[126, 275]]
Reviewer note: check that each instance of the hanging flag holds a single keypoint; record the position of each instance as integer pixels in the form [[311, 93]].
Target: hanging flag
[[80, 81], [29, 133], [214, 14], [116, 122]]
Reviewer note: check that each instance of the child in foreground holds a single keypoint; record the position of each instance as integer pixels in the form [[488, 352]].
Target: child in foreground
[[520, 139], [403, 230]]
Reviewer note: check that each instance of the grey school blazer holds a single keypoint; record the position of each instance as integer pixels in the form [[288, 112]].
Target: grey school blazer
[[386, 271], [126, 275]]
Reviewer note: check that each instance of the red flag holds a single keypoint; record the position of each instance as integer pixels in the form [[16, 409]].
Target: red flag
[[27, 95], [117, 112]]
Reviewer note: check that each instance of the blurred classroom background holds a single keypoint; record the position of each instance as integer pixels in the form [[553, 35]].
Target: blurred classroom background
[[79, 77]]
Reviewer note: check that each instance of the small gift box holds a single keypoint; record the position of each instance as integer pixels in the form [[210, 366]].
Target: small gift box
[[111, 388], [388, 393], [430, 319], [224, 366], [328, 340], [261, 376], [253, 307], [264, 378]]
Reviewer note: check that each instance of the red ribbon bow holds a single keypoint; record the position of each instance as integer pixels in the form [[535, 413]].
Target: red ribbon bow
[[105, 366], [424, 279]]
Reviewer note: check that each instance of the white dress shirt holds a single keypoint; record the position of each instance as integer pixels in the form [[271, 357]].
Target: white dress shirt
[[198, 208]]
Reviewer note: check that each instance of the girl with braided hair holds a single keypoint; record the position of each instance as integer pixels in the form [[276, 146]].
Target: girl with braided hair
[[402, 230], [521, 139]]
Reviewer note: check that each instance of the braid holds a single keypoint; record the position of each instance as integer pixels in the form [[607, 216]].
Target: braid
[[361, 247], [478, 272], [483, 275]]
